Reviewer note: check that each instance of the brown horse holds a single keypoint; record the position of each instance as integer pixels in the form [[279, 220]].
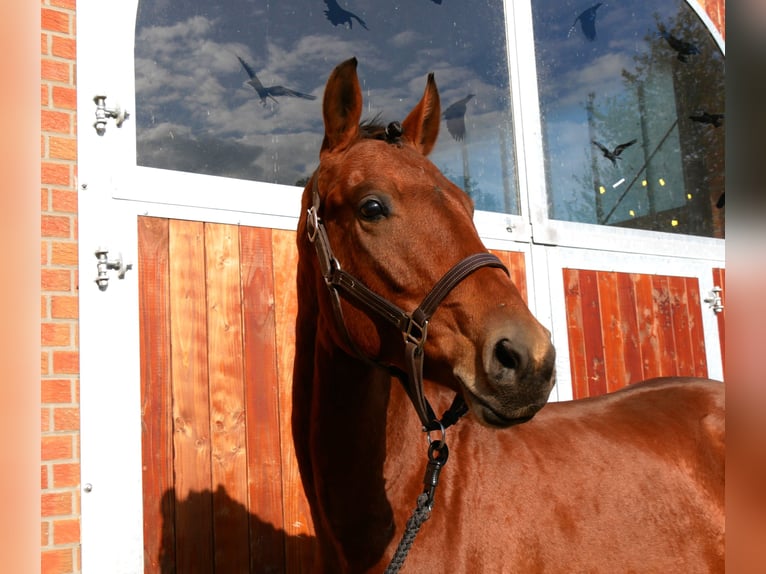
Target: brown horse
[[628, 482]]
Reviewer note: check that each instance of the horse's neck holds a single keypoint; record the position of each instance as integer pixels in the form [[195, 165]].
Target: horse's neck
[[363, 459]]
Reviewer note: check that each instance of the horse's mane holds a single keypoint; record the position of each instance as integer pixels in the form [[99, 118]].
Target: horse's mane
[[372, 129]]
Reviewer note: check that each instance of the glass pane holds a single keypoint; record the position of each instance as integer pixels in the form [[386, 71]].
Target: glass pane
[[197, 113], [632, 102]]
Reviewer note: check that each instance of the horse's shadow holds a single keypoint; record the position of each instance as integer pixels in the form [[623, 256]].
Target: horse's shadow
[[210, 532]]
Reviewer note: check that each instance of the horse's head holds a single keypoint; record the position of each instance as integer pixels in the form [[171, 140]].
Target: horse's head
[[397, 225]]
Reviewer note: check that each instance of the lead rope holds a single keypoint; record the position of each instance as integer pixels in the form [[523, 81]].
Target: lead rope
[[437, 458]]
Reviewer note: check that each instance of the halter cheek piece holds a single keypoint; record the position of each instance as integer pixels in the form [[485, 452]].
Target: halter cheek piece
[[413, 326]]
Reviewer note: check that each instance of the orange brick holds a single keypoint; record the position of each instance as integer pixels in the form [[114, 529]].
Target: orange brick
[[67, 474], [55, 71], [53, 121], [44, 533], [64, 253], [56, 226], [57, 561], [56, 503], [45, 419], [44, 307], [62, 148], [55, 335], [56, 279], [44, 197], [56, 391], [43, 44], [66, 531], [66, 362], [64, 47], [56, 447], [54, 20], [64, 307], [55, 173], [64, 97], [43, 253], [71, 4], [44, 362], [43, 94], [66, 419], [64, 200]]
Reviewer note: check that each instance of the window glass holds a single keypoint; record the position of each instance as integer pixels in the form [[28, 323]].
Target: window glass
[[632, 107], [197, 113]]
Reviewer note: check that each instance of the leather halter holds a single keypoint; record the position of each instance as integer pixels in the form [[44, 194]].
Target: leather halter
[[413, 326]]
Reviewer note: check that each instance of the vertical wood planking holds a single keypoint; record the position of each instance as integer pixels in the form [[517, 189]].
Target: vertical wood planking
[[297, 515], [156, 409], [664, 320], [696, 329], [594, 342], [611, 331], [575, 333], [516, 264], [629, 324], [679, 312], [191, 416], [267, 546], [647, 326], [227, 398]]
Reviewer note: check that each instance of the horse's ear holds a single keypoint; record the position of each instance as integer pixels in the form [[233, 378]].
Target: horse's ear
[[421, 127], [341, 107]]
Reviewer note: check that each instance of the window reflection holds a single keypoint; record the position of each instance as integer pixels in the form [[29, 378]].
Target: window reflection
[[632, 101], [234, 88]]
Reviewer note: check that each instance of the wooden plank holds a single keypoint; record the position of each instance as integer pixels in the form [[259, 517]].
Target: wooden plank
[[227, 398], [594, 343], [611, 331], [191, 420], [696, 328], [679, 312], [664, 320], [626, 296], [156, 410], [297, 515], [267, 544], [575, 333], [647, 325]]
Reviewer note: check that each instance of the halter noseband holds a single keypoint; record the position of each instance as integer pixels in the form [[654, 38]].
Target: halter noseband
[[413, 326]]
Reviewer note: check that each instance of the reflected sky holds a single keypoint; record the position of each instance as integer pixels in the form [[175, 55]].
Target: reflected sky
[[195, 111], [635, 70]]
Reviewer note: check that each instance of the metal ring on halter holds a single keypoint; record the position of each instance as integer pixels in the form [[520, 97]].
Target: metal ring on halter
[[442, 430]]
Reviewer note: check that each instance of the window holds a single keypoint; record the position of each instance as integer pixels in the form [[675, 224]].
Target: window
[[197, 113], [632, 101]]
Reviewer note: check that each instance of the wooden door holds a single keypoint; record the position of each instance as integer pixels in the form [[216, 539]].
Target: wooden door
[[627, 327], [221, 490]]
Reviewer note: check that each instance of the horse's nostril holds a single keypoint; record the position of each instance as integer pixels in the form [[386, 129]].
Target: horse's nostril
[[506, 355]]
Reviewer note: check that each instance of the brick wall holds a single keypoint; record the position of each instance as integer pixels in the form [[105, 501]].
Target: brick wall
[[59, 365]]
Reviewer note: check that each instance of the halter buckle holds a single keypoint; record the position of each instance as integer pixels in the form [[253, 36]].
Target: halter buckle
[[415, 333]]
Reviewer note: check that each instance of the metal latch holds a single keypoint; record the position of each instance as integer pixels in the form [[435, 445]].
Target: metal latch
[[103, 113], [714, 300], [105, 264]]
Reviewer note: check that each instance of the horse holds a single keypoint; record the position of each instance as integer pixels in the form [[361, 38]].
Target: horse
[[400, 309]]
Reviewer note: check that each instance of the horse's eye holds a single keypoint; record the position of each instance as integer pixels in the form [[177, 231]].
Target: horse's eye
[[372, 209]]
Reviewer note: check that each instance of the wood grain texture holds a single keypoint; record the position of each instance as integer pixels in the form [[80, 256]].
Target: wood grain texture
[[719, 279], [191, 410], [156, 408], [575, 333], [264, 455], [227, 397]]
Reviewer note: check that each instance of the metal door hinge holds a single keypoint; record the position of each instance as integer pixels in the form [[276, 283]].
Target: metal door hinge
[[103, 113], [714, 301], [105, 264]]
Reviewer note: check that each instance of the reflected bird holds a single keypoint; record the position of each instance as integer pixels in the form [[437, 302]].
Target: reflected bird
[[682, 47], [614, 154], [338, 15], [587, 22], [270, 91], [455, 116], [708, 118]]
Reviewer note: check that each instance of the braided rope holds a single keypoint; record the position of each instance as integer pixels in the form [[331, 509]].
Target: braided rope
[[421, 513]]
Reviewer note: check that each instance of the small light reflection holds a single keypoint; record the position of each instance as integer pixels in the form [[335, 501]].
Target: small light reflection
[[601, 189], [674, 222], [618, 182], [662, 181], [632, 213]]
